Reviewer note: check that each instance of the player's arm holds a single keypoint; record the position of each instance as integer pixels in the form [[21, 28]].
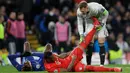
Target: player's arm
[[79, 21], [12, 59], [64, 55], [80, 24], [27, 50], [80, 27], [103, 15]]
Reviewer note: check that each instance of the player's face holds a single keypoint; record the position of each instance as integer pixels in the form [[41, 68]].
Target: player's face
[[84, 10]]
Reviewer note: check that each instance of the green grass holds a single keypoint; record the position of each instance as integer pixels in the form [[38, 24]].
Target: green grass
[[11, 69]]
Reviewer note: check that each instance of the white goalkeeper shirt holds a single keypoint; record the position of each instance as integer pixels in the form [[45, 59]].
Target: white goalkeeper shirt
[[94, 9]]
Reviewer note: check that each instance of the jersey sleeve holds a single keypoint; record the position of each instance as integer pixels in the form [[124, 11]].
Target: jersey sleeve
[[12, 59], [98, 11], [103, 15], [80, 22]]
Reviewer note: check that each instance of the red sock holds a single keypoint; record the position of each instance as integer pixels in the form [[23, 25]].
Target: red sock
[[88, 38], [98, 69]]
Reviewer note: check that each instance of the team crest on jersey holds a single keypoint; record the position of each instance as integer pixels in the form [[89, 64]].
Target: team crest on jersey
[[38, 66]]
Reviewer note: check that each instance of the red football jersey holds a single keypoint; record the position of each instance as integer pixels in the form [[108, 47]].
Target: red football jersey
[[59, 63]]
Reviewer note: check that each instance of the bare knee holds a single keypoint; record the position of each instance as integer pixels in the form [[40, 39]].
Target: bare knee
[[101, 40]]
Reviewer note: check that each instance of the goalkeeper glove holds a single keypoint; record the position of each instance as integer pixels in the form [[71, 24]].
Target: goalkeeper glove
[[81, 37]]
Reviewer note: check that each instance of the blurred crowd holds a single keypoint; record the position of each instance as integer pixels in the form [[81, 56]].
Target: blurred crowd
[[55, 22]]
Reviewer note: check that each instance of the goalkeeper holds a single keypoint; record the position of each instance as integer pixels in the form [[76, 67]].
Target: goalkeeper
[[87, 13]]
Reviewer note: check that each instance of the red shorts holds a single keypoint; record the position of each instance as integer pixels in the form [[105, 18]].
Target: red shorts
[[79, 67], [79, 53]]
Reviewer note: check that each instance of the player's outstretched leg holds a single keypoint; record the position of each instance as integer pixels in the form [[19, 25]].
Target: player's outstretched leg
[[102, 69], [78, 51]]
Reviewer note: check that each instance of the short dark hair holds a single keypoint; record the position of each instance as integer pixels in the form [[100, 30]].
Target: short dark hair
[[83, 4], [26, 68], [11, 12], [47, 55]]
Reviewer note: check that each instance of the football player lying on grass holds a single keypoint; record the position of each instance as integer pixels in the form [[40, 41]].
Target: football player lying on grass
[[30, 63]]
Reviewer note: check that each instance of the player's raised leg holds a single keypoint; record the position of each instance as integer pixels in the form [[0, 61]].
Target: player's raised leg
[[78, 51], [84, 44]]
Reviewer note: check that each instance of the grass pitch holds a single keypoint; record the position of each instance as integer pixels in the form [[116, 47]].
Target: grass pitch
[[11, 69]]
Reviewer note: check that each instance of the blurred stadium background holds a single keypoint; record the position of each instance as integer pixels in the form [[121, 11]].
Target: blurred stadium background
[[40, 17]]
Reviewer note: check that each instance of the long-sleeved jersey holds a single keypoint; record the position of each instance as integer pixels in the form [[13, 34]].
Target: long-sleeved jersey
[[94, 9], [37, 65]]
